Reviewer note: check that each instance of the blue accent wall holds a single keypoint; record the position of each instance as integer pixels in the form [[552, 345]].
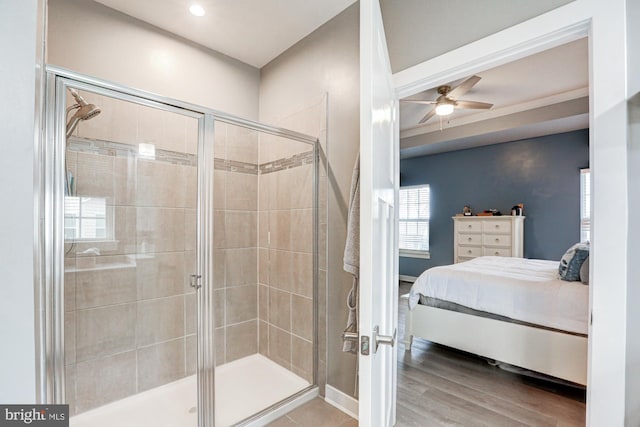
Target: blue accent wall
[[542, 173]]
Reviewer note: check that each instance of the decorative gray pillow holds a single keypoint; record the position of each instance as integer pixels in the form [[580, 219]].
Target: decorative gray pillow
[[571, 262], [584, 272]]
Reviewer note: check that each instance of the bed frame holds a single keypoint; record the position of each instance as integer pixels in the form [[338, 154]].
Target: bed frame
[[558, 354]]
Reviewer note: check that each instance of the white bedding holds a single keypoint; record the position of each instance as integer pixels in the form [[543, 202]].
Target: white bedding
[[523, 289]]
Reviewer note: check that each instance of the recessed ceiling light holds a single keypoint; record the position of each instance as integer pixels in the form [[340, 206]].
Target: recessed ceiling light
[[196, 10]]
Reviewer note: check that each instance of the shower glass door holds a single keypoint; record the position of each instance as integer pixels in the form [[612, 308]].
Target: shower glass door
[[264, 263], [129, 321], [180, 261]]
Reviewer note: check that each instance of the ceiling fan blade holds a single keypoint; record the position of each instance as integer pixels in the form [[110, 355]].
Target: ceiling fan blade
[[473, 104], [463, 87], [428, 116], [417, 101]]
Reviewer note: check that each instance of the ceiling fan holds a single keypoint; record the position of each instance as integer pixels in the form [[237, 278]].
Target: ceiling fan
[[448, 99]]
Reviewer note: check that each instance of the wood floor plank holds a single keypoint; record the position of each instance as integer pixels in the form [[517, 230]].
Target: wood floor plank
[[434, 411], [496, 404], [407, 417]]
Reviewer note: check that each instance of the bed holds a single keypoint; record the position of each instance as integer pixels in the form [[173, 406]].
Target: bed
[[512, 310]]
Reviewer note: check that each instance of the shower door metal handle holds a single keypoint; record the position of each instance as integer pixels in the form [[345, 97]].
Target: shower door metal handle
[[194, 281]]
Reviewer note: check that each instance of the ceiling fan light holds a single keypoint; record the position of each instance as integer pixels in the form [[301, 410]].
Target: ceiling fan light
[[444, 109]]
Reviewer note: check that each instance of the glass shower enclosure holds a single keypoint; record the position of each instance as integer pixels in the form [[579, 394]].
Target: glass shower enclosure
[[179, 260]]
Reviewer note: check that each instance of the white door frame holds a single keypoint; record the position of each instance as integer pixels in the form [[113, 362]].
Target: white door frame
[[612, 351]]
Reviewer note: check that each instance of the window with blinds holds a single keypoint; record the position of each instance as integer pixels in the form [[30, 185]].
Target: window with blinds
[[414, 220], [585, 205]]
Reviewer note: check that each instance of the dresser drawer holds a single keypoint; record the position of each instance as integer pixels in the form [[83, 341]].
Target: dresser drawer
[[470, 239], [469, 251], [496, 252], [473, 226], [496, 226], [503, 240]]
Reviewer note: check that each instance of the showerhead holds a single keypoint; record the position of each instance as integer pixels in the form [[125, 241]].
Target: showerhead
[[85, 111]]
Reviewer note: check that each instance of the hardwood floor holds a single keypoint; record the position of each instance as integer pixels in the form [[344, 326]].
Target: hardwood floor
[[440, 386]]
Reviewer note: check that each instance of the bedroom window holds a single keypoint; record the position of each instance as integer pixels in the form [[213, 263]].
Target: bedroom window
[[585, 205], [414, 221]]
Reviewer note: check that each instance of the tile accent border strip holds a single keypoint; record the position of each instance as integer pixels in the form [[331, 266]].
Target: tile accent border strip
[[119, 149], [235, 166], [296, 160]]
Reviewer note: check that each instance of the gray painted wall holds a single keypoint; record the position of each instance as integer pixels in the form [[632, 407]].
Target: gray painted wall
[[543, 173], [326, 62], [418, 30]]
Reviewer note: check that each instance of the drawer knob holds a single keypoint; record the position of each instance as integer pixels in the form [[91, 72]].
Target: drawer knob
[[497, 225], [497, 253], [469, 225], [469, 251], [497, 240], [469, 239]]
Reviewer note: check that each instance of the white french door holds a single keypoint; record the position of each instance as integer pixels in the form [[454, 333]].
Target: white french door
[[379, 165]]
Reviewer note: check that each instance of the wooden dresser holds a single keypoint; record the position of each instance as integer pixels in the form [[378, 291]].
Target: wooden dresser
[[475, 236]]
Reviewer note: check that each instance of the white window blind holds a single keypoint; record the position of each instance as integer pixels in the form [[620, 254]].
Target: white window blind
[[414, 218], [585, 205]]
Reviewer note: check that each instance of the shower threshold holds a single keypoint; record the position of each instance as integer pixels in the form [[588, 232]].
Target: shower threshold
[[244, 387]]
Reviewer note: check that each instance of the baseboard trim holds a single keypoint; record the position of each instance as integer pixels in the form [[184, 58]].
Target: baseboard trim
[[404, 278], [342, 401]]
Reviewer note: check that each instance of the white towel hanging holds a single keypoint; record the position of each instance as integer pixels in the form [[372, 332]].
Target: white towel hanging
[[351, 257]]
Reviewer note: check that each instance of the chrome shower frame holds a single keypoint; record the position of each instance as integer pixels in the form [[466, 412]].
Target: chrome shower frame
[[50, 254]]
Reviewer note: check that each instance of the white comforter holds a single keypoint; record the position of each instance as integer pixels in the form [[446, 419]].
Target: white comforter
[[523, 289]]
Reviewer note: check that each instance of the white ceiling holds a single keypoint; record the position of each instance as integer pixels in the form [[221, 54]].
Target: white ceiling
[[254, 32], [541, 92]]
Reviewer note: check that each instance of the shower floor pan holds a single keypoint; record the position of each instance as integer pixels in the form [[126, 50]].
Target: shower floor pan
[[243, 387]]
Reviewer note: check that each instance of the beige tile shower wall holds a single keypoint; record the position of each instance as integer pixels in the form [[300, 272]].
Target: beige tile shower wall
[[236, 242], [285, 273], [286, 290], [326, 62], [129, 310]]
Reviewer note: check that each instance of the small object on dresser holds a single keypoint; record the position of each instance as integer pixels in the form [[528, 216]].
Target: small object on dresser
[[517, 210], [491, 212], [467, 210]]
